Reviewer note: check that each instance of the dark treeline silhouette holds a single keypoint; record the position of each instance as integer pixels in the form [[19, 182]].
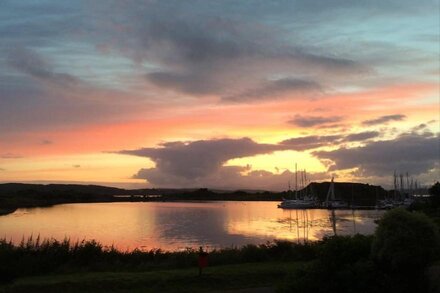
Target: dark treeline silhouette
[[16, 195]]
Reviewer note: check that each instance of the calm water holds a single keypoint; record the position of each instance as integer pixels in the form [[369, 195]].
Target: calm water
[[177, 225]]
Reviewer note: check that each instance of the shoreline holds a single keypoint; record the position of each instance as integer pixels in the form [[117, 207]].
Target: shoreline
[[9, 210]]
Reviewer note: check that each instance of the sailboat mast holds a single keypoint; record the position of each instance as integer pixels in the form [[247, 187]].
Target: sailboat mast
[[401, 186], [306, 183], [333, 189], [296, 181], [330, 193]]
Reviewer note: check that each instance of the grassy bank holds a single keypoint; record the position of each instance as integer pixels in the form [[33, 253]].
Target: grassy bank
[[218, 278], [54, 266], [34, 257]]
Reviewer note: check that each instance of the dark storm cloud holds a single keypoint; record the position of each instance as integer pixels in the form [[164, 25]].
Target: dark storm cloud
[[419, 127], [384, 119], [231, 59], [227, 177], [316, 141], [206, 50], [188, 83], [229, 49], [36, 23], [311, 121], [204, 43], [362, 136], [36, 94], [199, 40], [201, 163], [312, 142], [409, 152], [222, 48], [209, 49], [29, 62], [200, 158], [272, 89], [206, 56], [159, 177]]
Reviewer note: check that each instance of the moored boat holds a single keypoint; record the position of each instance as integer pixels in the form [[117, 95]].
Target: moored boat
[[303, 199], [305, 203], [331, 201]]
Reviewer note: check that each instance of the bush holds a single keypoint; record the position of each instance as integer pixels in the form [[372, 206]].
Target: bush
[[434, 191], [342, 265], [393, 260], [405, 242], [338, 251]]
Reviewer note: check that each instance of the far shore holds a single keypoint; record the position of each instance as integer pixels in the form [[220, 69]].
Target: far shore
[[10, 210], [6, 211], [18, 195]]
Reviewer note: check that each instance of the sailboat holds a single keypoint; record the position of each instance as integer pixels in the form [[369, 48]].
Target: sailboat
[[403, 197], [303, 203], [306, 201], [331, 202]]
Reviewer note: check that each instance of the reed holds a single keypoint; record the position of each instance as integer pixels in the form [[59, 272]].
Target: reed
[[36, 256]]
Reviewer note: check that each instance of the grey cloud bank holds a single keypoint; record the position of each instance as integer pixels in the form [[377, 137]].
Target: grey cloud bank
[[201, 163], [311, 121], [239, 52], [384, 119], [407, 153]]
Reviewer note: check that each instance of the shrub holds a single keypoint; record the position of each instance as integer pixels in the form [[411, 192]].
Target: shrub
[[342, 265], [405, 242], [338, 251], [434, 191]]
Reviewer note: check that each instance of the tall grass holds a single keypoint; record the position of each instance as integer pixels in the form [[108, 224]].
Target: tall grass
[[35, 256]]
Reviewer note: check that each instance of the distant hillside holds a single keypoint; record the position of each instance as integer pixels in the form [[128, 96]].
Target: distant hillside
[[359, 193], [9, 189], [26, 189], [14, 195]]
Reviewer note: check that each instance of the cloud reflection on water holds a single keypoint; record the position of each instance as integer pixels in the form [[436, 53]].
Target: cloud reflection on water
[[177, 225]]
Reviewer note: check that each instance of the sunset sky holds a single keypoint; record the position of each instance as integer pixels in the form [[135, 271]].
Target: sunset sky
[[219, 94]]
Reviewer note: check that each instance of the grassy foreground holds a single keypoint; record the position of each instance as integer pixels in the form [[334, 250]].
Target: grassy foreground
[[219, 278]]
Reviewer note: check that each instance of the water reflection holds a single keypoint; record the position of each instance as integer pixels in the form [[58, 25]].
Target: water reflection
[[178, 225]]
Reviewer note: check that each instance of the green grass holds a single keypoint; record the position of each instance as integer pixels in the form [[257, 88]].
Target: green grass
[[219, 278]]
